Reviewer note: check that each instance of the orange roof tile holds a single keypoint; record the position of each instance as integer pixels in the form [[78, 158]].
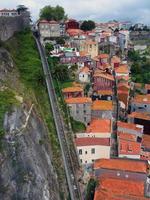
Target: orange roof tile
[[74, 32], [132, 126], [78, 100], [129, 147], [85, 69], [83, 53], [115, 59], [142, 99], [122, 164], [91, 141], [105, 92], [103, 56], [126, 78], [122, 186], [103, 75], [102, 105], [123, 85], [139, 115], [99, 126], [122, 69], [126, 136], [146, 141], [72, 89]]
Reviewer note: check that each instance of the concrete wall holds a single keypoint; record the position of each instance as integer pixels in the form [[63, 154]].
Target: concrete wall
[[129, 156], [96, 135], [87, 157], [140, 107], [10, 25], [105, 114], [81, 112]]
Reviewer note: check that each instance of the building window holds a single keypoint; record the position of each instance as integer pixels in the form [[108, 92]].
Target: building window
[[92, 160], [85, 119], [86, 161], [93, 151], [77, 111], [81, 160], [80, 151], [145, 106], [85, 152], [129, 148], [84, 111]]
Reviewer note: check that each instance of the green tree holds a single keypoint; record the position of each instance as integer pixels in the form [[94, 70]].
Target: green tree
[[88, 25], [48, 48], [60, 41], [53, 13], [60, 72]]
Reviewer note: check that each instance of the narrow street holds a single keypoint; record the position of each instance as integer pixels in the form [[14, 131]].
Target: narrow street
[[68, 164]]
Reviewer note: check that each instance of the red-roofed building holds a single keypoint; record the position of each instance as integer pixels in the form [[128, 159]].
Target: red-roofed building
[[98, 128], [90, 148], [49, 29], [84, 75], [73, 92], [102, 81], [122, 70], [119, 189], [128, 148], [122, 168], [130, 128], [80, 108], [145, 150], [115, 61], [90, 46], [72, 24], [8, 13], [142, 118]]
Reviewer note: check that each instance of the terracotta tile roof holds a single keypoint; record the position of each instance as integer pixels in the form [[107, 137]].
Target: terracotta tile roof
[[103, 75], [91, 141], [103, 56], [99, 126], [123, 96], [129, 147], [83, 53], [85, 69], [126, 78], [123, 86], [139, 115], [105, 92], [126, 136], [122, 164], [74, 32], [146, 141], [119, 189], [72, 89], [78, 100], [142, 99], [132, 126], [122, 69], [102, 105], [115, 59]]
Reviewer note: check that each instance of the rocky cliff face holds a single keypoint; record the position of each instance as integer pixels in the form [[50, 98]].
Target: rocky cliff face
[[26, 171]]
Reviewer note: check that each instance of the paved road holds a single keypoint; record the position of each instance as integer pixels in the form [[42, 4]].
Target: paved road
[[69, 169]]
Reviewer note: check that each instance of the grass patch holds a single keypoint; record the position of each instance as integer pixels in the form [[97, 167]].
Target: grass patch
[[77, 126], [66, 84], [7, 99]]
